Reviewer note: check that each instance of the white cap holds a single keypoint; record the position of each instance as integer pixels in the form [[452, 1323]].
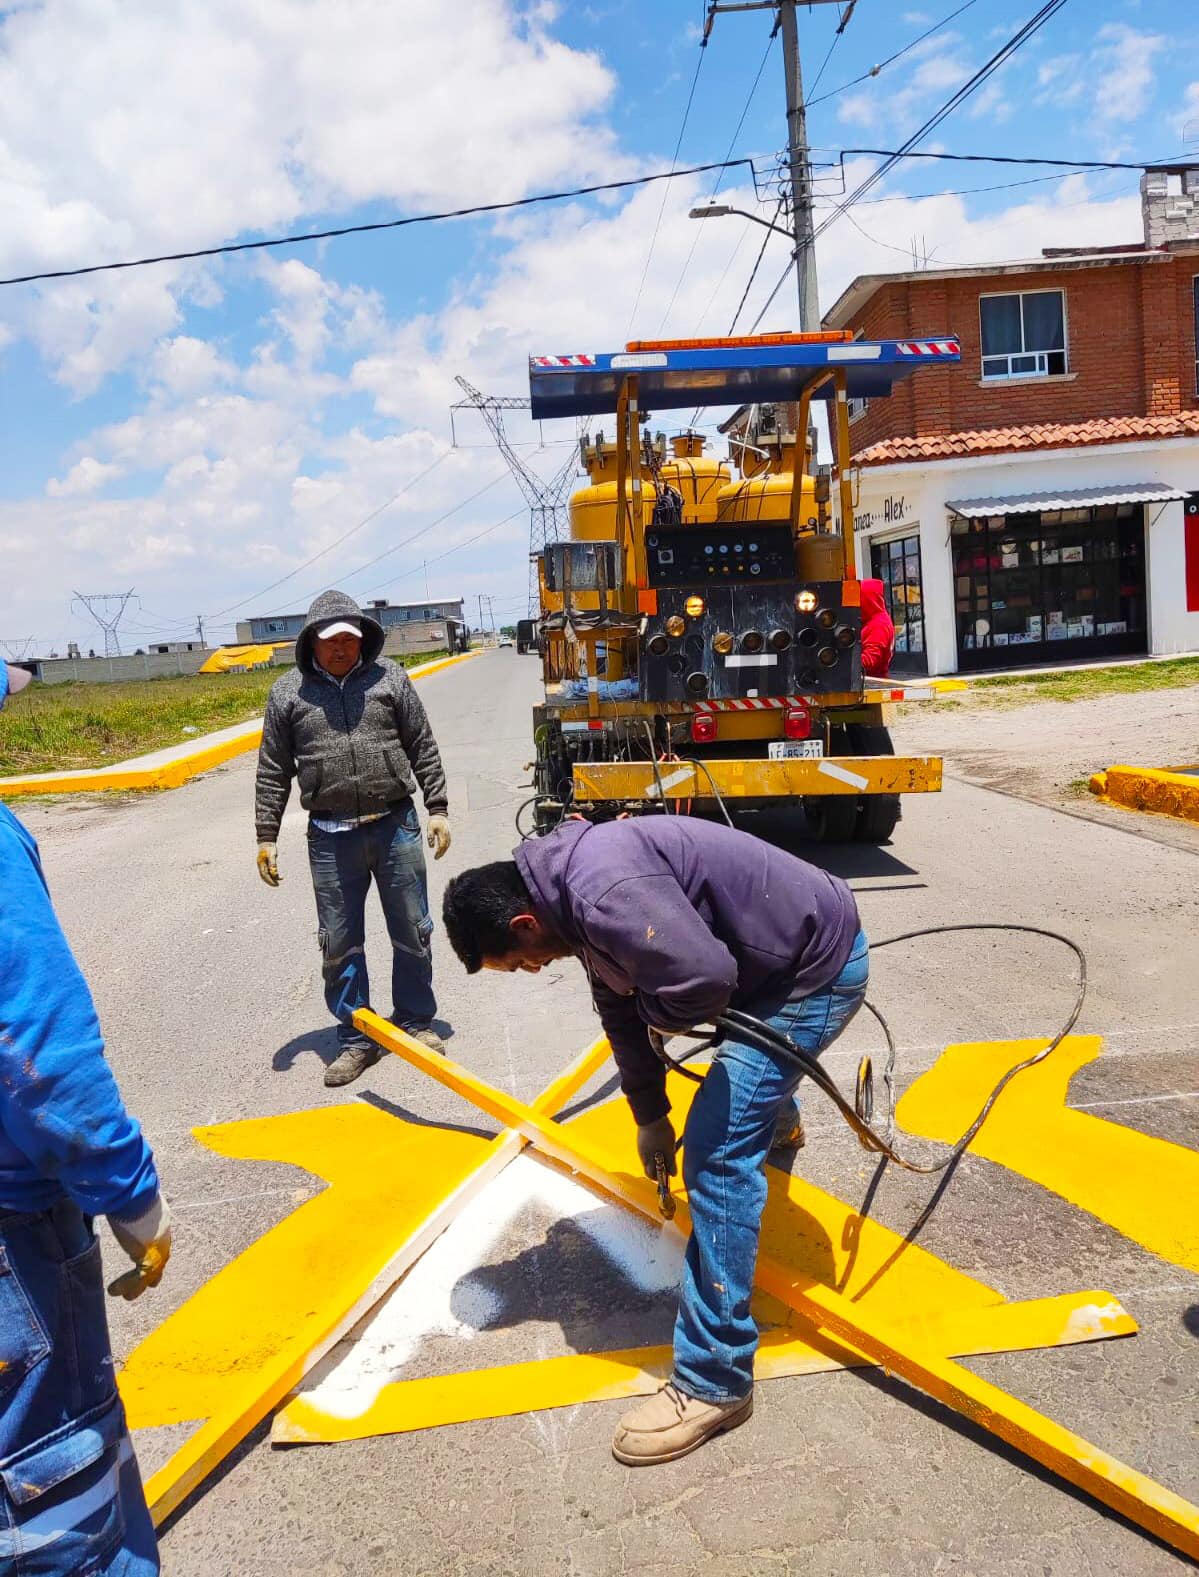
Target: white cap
[[342, 627], [18, 678]]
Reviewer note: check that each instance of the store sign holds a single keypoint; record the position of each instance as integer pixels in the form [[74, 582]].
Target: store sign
[[890, 512]]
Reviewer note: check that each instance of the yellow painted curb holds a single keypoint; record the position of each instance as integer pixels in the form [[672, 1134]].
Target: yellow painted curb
[[1169, 791], [943, 686], [191, 760]]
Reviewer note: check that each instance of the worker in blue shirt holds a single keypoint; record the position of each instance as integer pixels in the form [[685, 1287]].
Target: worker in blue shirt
[[71, 1498]]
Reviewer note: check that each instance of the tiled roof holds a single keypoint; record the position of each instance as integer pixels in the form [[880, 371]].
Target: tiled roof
[[1040, 435]]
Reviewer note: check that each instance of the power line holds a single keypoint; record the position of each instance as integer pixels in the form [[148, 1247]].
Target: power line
[[381, 224], [906, 152], [653, 240], [842, 24], [479, 535], [424, 530], [1000, 57], [754, 274], [374, 515], [890, 60], [720, 178]]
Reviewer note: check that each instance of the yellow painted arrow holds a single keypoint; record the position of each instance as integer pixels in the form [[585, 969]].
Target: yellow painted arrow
[[1122, 1488]]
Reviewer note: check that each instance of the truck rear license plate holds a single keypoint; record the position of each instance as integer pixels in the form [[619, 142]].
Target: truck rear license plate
[[789, 749]]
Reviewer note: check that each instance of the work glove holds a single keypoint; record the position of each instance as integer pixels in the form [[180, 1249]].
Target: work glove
[[268, 865], [439, 835], [654, 1139], [147, 1241]]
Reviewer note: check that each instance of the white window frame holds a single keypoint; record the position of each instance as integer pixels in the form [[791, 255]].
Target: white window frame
[[857, 407], [1041, 357]]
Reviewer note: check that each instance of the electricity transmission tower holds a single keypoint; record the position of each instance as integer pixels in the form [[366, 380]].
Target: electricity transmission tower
[[99, 604], [546, 500], [17, 650]]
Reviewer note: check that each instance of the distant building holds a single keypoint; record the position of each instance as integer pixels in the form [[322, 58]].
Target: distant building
[[286, 626], [162, 648]]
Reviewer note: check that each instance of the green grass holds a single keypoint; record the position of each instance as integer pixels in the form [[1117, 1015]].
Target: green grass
[[51, 728], [1086, 684]]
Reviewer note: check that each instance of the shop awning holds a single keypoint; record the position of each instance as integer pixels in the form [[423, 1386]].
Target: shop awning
[[1067, 498]]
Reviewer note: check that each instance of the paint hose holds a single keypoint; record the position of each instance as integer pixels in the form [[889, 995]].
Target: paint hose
[[858, 1113]]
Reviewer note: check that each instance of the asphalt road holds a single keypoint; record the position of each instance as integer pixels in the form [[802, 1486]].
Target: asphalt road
[[208, 988]]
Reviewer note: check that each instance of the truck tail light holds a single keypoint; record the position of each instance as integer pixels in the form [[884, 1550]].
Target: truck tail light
[[703, 729], [797, 723]]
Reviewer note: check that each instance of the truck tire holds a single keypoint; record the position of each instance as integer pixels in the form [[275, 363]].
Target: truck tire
[[833, 818], [877, 813]]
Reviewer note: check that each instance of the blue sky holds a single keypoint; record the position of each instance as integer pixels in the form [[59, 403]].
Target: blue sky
[[199, 431]]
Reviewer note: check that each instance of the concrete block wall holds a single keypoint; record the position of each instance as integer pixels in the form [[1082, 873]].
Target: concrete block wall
[[109, 670]]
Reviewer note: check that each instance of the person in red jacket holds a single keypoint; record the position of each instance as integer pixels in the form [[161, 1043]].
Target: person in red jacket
[[878, 632]]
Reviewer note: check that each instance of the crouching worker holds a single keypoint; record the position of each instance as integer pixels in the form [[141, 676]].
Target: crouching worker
[[674, 921], [71, 1498]]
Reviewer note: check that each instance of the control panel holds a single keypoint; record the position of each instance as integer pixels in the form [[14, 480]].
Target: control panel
[[750, 641], [713, 555]]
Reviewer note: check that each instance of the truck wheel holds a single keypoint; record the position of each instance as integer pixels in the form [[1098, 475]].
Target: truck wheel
[[832, 818], [878, 813]]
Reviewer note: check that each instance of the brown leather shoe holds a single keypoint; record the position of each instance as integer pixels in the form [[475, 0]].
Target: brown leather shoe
[[670, 1424]]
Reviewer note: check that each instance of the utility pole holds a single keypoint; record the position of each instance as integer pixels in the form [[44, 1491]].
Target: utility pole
[[200, 628], [799, 166]]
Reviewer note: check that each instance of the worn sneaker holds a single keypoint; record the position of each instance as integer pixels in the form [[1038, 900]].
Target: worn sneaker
[[671, 1424], [427, 1036], [354, 1060]]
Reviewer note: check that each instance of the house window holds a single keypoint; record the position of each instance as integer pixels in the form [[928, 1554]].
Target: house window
[[276, 626], [860, 406], [1023, 335]]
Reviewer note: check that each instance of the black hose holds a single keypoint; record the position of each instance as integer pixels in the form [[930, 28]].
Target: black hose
[[753, 1031]]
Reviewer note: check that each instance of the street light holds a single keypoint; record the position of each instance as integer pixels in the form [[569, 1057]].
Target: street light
[[719, 210]]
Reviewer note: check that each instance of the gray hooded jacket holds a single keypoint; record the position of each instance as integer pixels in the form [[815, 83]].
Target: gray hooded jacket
[[357, 747]]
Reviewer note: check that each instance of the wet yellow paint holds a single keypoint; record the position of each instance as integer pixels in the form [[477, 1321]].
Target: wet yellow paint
[[502, 1392], [383, 1176], [1146, 1188]]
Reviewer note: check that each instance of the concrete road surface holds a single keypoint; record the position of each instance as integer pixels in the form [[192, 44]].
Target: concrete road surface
[[208, 988]]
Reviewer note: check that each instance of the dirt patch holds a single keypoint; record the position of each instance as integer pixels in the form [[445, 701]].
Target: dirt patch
[[1047, 750]]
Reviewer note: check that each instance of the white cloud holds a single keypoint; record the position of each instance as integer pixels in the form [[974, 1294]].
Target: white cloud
[[182, 125], [85, 476], [187, 366], [1125, 58]]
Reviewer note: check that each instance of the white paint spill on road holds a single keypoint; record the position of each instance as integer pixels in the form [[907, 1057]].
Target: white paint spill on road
[[439, 1297]]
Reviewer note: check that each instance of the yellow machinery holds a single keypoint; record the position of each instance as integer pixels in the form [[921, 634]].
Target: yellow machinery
[[700, 631]]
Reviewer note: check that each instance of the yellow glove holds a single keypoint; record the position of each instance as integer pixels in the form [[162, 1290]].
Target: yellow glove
[[439, 835], [147, 1241], [268, 865]]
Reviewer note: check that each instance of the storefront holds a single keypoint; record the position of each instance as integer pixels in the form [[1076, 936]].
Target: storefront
[[1022, 560], [1052, 585], [896, 562]]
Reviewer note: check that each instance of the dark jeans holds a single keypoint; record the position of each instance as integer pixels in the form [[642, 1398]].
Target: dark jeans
[[342, 865], [71, 1496]]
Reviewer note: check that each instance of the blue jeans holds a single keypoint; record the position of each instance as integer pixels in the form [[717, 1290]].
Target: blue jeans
[[728, 1135], [342, 865], [71, 1496]]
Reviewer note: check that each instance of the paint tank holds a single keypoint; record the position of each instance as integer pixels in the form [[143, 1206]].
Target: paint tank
[[593, 508], [766, 496], [697, 477]]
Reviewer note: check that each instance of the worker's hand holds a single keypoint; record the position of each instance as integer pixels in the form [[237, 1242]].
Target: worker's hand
[[439, 835], [268, 865], [654, 1139], [147, 1241]]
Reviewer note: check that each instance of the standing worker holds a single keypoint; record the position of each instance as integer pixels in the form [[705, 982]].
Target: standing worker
[[349, 725], [676, 921], [71, 1496], [878, 631]]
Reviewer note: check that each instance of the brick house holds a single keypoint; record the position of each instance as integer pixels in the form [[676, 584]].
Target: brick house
[[1040, 501]]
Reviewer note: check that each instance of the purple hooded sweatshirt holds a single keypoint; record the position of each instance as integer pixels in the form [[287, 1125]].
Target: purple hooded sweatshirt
[[676, 920]]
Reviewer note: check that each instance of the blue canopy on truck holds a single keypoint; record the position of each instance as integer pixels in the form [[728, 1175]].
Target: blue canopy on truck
[[731, 374]]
